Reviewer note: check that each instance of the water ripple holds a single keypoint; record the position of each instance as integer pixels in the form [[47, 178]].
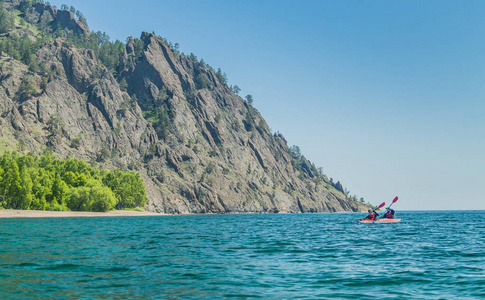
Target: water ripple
[[429, 255]]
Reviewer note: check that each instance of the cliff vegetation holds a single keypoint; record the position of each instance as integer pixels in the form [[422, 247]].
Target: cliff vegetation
[[47, 183]]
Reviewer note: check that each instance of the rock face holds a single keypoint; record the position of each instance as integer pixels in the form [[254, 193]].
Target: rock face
[[44, 15], [200, 148]]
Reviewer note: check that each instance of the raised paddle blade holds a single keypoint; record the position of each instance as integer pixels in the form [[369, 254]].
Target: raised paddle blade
[[395, 199], [382, 204]]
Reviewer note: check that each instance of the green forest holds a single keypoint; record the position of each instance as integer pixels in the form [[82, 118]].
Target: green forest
[[48, 183]]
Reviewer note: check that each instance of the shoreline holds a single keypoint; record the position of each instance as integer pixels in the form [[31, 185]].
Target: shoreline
[[14, 213], [17, 213]]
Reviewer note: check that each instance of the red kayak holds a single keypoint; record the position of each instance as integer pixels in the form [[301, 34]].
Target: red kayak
[[381, 221]]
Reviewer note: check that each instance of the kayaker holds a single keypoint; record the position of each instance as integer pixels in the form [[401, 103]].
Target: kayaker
[[389, 213], [372, 215]]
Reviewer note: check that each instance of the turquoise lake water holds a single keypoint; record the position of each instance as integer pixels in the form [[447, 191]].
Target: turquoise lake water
[[429, 255]]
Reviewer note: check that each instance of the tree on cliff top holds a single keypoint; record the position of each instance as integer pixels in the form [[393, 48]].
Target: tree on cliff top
[[6, 19]]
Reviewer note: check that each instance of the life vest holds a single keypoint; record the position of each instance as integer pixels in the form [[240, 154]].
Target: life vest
[[389, 215], [371, 216]]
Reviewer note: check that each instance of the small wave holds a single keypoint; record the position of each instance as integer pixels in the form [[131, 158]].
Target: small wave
[[28, 264], [118, 269], [242, 296], [61, 267]]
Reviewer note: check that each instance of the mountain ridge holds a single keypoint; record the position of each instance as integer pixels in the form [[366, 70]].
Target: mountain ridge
[[199, 147]]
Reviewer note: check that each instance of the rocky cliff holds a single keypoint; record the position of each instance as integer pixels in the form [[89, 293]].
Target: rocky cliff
[[199, 147]]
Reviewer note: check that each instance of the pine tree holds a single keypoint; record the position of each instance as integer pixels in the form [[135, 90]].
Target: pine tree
[[6, 19]]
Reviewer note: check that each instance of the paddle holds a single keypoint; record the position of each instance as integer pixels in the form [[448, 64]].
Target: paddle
[[381, 205], [393, 201]]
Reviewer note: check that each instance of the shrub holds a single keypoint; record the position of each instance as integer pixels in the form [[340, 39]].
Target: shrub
[[202, 81]]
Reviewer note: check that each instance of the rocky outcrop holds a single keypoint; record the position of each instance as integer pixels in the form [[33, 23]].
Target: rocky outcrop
[[199, 148], [10, 4], [210, 148], [47, 16]]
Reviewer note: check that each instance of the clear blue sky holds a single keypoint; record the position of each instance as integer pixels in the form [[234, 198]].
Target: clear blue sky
[[387, 96]]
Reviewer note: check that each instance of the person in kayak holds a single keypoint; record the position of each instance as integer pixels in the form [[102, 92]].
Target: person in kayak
[[389, 213], [372, 215]]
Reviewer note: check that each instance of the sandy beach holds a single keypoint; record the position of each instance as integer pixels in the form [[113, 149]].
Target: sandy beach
[[10, 213]]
